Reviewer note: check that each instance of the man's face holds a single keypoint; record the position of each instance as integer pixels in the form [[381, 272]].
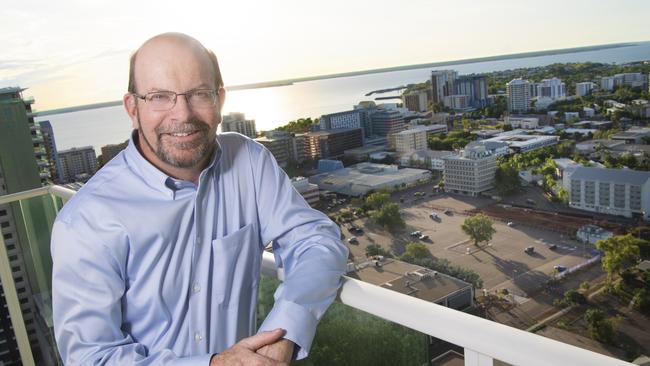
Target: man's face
[[182, 137]]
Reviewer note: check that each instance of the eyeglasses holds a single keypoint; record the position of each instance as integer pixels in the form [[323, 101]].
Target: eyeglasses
[[166, 100]]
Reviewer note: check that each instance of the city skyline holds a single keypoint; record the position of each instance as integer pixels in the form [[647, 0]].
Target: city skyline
[[47, 47]]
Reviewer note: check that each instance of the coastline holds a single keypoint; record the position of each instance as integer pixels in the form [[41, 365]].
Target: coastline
[[279, 83]]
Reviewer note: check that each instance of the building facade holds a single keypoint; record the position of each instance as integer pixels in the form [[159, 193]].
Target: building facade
[[607, 83], [414, 139], [332, 143], [518, 95], [476, 89], [347, 119], [471, 172], [110, 151], [442, 84], [417, 101], [620, 192], [51, 152], [237, 122], [280, 144], [584, 88], [387, 121], [78, 164], [308, 191]]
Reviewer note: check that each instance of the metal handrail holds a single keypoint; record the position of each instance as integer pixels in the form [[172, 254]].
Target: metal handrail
[[483, 340]]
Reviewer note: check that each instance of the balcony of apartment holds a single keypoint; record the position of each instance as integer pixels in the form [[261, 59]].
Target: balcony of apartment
[[481, 342]]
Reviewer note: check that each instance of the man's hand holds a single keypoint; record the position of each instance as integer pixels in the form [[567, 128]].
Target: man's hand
[[282, 350], [244, 353]]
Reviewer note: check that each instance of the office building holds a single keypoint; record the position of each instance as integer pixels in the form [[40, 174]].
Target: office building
[[414, 139], [442, 84], [476, 89], [78, 164], [552, 88], [456, 101], [49, 142], [237, 122], [416, 101], [280, 144], [521, 143], [471, 172], [584, 88], [332, 143], [621, 192], [518, 91], [426, 159], [527, 123], [387, 121], [347, 119], [24, 327]]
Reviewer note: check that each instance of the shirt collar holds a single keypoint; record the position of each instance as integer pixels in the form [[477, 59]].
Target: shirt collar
[[153, 176]]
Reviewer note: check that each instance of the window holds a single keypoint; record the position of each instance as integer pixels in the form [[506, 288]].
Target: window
[[4, 224], [3, 212]]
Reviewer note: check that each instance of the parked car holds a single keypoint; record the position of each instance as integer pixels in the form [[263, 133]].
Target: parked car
[[423, 237], [416, 233], [447, 211], [353, 240], [529, 249], [552, 246], [559, 268], [511, 224], [434, 216], [530, 201]]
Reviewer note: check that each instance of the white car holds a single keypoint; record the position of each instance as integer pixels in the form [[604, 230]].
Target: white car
[[416, 233], [511, 224], [353, 240]]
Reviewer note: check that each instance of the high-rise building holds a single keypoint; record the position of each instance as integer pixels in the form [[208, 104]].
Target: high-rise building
[[51, 152], [416, 101], [308, 191], [78, 164], [387, 121], [456, 101], [347, 119], [518, 95], [607, 83], [236, 122], [584, 88], [552, 88], [471, 172], [476, 89], [21, 169], [635, 80], [280, 144], [442, 84]]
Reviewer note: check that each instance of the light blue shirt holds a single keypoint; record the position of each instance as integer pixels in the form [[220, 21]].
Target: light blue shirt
[[150, 270]]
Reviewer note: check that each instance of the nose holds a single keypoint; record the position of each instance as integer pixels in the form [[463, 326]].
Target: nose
[[182, 109]]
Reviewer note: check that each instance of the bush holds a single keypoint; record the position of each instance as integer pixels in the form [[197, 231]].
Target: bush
[[560, 303], [641, 300], [585, 285], [375, 249], [574, 297], [600, 327]]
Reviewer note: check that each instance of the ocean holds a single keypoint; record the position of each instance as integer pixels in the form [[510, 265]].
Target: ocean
[[275, 106]]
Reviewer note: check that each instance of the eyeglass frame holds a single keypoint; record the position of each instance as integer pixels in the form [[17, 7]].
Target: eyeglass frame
[[187, 96]]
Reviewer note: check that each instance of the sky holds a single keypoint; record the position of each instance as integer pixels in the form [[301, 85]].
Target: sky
[[75, 52]]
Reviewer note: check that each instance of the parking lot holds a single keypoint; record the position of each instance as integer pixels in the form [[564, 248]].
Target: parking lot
[[502, 263]]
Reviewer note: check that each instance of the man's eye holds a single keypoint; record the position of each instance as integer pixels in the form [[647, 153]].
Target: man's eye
[[202, 94], [159, 97]]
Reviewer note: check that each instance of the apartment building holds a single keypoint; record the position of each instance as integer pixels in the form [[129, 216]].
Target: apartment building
[[237, 122], [621, 192], [78, 164], [584, 88], [387, 121], [308, 191], [519, 97], [332, 143], [471, 172], [416, 101]]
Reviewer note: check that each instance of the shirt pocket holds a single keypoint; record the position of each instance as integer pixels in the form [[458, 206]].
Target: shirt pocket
[[232, 262]]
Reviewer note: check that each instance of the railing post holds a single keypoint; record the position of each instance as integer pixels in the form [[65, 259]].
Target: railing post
[[13, 304], [473, 358]]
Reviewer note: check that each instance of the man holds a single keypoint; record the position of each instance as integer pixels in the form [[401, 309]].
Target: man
[[157, 258]]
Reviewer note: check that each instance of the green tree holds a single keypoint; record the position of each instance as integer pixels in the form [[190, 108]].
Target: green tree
[[378, 199], [599, 327], [620, 253], [415, 251], [376, 249], [479, 228], [641, 300], [507, 178], [388, 216]]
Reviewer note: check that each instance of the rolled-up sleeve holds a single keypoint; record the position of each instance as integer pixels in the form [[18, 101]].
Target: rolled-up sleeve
[[87, 288], [307, 244]]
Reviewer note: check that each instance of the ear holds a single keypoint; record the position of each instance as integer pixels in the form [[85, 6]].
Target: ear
[[130, 105]]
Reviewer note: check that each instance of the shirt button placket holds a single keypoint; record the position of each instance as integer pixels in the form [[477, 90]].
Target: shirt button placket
[[198, 337], [196, 287]]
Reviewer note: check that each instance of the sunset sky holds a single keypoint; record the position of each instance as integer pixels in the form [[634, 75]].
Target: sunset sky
[[76, 52]]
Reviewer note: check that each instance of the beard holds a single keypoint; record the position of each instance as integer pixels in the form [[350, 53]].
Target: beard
[[181, 154]]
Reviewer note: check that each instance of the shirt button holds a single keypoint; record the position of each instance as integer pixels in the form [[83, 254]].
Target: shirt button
[[198, 337], [196, 287], [198, 240]]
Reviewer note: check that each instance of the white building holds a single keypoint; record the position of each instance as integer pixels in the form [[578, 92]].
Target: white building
[[552, 88], [518, 95], [456, 101], [522, 143], [589, 112], [571, 115], [307, 190], [471, 172], [631, 79], [346, 119], [584, 88], [621, 192], [607, 83], [431, 159], [496, 148], [416, 101], [528, 123], [591, 234], [414, 139], [77, 164]]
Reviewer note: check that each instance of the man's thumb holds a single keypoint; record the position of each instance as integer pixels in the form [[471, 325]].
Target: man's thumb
[[262, 339]]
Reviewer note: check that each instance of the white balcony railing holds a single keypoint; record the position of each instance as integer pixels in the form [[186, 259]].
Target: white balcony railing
[[483, 340]]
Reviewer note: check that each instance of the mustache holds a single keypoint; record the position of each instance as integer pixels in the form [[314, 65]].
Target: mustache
[[191, 126]]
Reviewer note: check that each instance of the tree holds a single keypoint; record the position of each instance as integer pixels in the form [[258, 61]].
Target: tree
[[599, 327], [388, 216], [507, 178], [415, 251], [376, 249], [479, 228], [378, 199], [620, 253]]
